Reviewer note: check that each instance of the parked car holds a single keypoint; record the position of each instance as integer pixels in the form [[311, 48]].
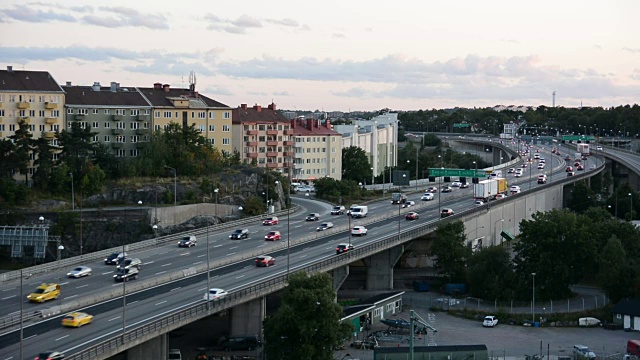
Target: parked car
[[215, 294], [325, 226], [175, 354], [359, 230], [188, 241], [583, 351], [427, 197], [514, 189], [412, 215], [129, 263], [599, 148], [490, 321], [265, 260], [501, 196], [272, 220], [239, 234], [446, 212], [239, 343], [77, 319], [313, 217], [343, 247], [338, 210], [273, 236], [79, 271], [114, 258], [408, 204], [571, 173], [542, 179]]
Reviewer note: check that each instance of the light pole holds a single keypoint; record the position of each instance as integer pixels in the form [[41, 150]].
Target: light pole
[[175, 192], [417, 176], [155, 231], [439, 187], [631, 209], [73, 196], [373, 181], [533, 301], [399, 216], [208, 269], [216, 210], [124, 289], [495, 225]]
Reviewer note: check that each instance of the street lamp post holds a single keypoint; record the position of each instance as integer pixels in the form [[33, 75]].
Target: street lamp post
[[208, 268], [417, 176], [73, 198], [175, 192], [533, 301], [631, 207], [439, 187], [373, 180], [216, 209]]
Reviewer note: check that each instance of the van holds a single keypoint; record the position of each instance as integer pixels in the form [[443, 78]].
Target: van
[[583, 351], [235, 343]]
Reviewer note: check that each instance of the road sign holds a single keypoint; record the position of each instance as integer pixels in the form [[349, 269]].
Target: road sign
[[461, 125], [457, 172], [577, 138]]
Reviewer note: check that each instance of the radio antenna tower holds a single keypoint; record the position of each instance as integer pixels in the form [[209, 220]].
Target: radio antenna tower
[[554, 99]]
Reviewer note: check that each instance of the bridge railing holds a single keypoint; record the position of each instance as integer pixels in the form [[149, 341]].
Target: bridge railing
[[251, 292], [91, 257]]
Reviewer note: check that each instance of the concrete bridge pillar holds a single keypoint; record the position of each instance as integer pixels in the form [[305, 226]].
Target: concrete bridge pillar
[[380, 268], [246, 319], [339, 276], [156, 348]]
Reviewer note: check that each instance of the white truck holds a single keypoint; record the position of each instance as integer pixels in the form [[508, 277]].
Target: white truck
[[486, 190], [359, 211], [583, 149]]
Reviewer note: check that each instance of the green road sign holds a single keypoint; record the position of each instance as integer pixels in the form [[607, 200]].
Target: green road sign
[[577, 138], [460, 125], [457, 172]]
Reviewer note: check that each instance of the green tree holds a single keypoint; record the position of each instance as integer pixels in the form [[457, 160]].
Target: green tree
[[490, 274], [613, 277], [307, 324], [77, 147], [254, 206], [93, 179], [450, 251], [44, 163], [8, 158], [355, 164], [22, 138], [582, 197]]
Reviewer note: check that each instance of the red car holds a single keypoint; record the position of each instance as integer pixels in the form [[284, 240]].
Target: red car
[[270, 221], [579, 167], [568, 169], [265, 261], [412, 216], [273, 236]]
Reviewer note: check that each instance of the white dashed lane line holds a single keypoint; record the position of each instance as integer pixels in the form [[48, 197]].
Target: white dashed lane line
[[107, 273], [9, 297], [115, 318], [161, 272], [165, 265], [178, 288], [161, 302], [198, 262], [60, 338]]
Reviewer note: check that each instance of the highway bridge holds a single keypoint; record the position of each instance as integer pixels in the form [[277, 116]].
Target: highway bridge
[[169, 292]]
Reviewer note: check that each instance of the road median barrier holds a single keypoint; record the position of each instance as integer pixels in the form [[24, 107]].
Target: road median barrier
[[189, 271]]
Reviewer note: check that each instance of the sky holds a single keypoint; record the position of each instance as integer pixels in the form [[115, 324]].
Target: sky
[[347, 55]]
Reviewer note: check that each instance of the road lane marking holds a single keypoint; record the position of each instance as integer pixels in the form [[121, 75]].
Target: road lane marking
[[235, 247], [60, 338], [217, 246], [202, 289], [131, 303], [9, 358], [107, 273], [64, 283], [161, 272], [240, 277], [8, 289], [303, 256], [261, 245], [231, 254], [32, 336], [202, 255], [81, 286], [70, 296], [169, 264], [197, 262], [178, 288], [115, 318], [183, 254], [161, 302], [9, 297], [150, 262]]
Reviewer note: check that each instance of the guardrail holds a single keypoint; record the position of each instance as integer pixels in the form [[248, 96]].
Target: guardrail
[[251, 292], [90, 257]]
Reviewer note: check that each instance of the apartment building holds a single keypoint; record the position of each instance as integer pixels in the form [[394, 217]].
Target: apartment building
[[317, 150], [31, 96], [378, 137], [187, 107], [263, 136], [120, 116]]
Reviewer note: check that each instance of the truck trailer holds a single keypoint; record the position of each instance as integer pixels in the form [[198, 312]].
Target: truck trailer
[[486, 190], [398, 198], [583, 149]]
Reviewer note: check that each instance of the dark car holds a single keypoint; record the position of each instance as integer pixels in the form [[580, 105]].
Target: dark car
[[446, 212], [579, 167], [188, 241], [50, 355], [129, 263], [247, 343], [313, 217], [114, 258], [412, 216], [240, 234], [126, 274], [341, 248]]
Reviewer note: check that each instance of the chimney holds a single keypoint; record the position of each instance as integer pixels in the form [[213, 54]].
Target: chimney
[[68, 83], [310, 124], [96, 86], [243, 106], [195, 94], [293, 123], [114, 86], [157, 86], [166, 87], [327, 124], [9, 68], [192, 88], [257, 107], [272, 106]]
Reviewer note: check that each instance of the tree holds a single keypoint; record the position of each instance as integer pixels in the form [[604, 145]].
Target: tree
[[582, 197], [355, 164], [22, 138], [490, 274], [613, 276], [254, 206], [77, 146], [43, 163], [8, 158], [450, 251], [307, 324]]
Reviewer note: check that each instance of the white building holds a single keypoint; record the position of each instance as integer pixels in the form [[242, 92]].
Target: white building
[[378, 137]]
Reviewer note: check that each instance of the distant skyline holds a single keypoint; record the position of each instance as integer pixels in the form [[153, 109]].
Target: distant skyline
[[339, 55]]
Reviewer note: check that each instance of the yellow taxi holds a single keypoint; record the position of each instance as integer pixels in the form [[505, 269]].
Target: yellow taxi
[[44, 292], [77, 319]]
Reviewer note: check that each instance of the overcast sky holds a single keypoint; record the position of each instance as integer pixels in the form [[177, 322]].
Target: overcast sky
[[339, 55]]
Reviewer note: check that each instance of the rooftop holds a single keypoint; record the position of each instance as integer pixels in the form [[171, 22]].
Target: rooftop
[[21, 80], [88, 95]]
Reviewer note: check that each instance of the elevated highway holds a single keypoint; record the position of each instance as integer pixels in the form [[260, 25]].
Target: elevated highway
[[170, 304]]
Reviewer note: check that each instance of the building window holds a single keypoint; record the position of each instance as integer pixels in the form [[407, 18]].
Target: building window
[[121, 139], [618, 316], [1, 112], [262, 150], [54, 127], [55, 99], [95, 124], [226, 128], [107, 138], [134, 125], [32, 98], [261, 127], [107, 125], [212, 115], [41, 128], [95, 138], [134, 152], [55, 113], [32, 113], [82, 111], [212, 128], [134, 112], [121, 153], [167, 114], [227, 115], [32, 128], [69, 111], [135, 139], [120, 112], [202, 128], [121, 125], [226, 141], [202, 114], [95, 111], [157, 114], [157, 127], [212, 141]]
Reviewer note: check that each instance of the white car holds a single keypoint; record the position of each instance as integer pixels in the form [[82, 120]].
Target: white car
[[215, 294], [456, 184], [490, 321], [542, 160], [427, 197], [79, 271], [408, 204], [359, 231], [325, 226], [501, 196], [479, 202], [599, 148], [518, 174], [514, 188], [540, 166]]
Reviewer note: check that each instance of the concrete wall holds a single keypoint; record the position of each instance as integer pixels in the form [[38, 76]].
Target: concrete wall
[[156, 348], [172, 216], [246, 318]]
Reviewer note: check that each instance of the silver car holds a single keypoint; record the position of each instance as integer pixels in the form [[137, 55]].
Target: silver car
[[79, 272]]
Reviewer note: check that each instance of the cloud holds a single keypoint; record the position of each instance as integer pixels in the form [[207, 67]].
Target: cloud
[[245, 22], [217, 90], [26, 14], [635, 75], [131, 17], [597, 46], [170, 67], [631, 50], [338, 36], [284, 22], [282, 93]]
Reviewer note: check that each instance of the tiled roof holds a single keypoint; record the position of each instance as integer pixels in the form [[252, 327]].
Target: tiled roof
[[18, 80], [629, 307], [160, 97], [85, 95], [256, 115]]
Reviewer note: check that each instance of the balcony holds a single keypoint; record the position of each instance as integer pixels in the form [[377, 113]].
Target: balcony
[[272, 154], [288, 132], [116, 117], [288, 143], [49, 135], [252, 132], [298, 144], [116, 131], [272, 165], [143, 117], [272, 143], [50, 105], [116, 145], [79, 117], [288, 165], [23, 105], [25, 119], [252, 143], [252, 154], [298, 166], [142, 131], [272, 132], [299, 155], [287, 153], [50, 120]]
